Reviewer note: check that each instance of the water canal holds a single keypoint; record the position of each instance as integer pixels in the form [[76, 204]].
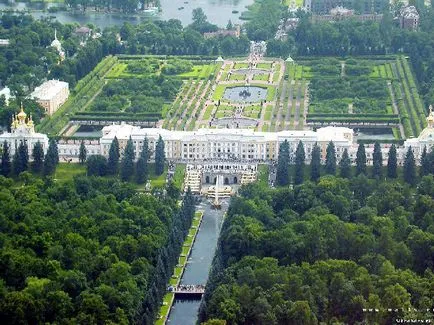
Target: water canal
[[219, 12], [184, 312]]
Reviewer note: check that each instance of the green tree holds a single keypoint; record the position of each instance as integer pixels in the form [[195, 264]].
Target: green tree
[[425, 163], [282, 173], [51, 158], [38, 158], [142, 164], [127, 163], [410, 167], [301, 313], [345, 165], [377, 161], [361, 160], [83, 153], [6, 160], [96, 165], [300, 157], [392, 163], [330, 165], [160, 156], [21, 158], [113, 159], [315, 164]]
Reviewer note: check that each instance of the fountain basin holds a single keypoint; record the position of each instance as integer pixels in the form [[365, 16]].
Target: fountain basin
[[245, 94], [252, 71]]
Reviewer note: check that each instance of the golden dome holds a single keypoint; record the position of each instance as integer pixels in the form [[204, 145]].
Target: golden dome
[[30, 123], [21, 115], [14, 122]]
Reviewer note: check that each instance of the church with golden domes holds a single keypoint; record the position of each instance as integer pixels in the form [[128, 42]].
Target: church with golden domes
[[425, 138], [23, 130]]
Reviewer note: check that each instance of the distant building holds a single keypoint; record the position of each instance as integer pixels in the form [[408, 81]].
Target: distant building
[[58, 46], [83, 33], [224, 32], [23, 130], [409, 18], [341, 13], [322, 7], [51, 95], [4, 42]]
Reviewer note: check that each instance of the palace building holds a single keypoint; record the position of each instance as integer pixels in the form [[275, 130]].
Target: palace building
[[245, 145]]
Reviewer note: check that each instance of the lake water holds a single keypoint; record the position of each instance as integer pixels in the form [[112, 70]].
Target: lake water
[[219, 12]]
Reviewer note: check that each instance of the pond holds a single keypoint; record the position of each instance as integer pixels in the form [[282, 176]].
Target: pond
[[219, 12], [251, 71], [85, 131], [374, 134], [245, 94]]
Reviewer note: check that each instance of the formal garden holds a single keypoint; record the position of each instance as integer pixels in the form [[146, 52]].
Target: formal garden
[[187, 93], [374, 92]]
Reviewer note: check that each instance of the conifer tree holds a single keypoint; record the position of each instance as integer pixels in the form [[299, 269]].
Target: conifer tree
[[6, 160], [160, 156], [330, 166], [16, 167], [361, 160], [315, 164], [83, 153], [431, 161], [282, 173], [142, 164], [424, 163], [345, 165], [21, 158], [113, 159], [38, 158], [51, 158], [392, 163], [300, 158], [377, 160], [127, 163], [410, 167]]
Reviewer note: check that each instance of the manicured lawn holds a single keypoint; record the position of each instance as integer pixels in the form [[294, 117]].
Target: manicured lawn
[[264, 66], [66, 171], [157, 181], [237, 77], [262, 77], [263, 171], [268, 112], [167, 301], [208, 111], [178, 177], [241, 65], [270, 94], [219, 91], [194, 73]]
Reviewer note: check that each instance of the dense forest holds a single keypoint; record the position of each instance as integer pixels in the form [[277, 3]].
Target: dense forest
[[89, 251], [323, 252]]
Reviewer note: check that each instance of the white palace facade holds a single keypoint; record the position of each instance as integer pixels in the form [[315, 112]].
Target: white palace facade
[[213, 144]]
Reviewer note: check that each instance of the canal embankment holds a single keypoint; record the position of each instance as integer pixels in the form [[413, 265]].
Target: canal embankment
[[179, 269]]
